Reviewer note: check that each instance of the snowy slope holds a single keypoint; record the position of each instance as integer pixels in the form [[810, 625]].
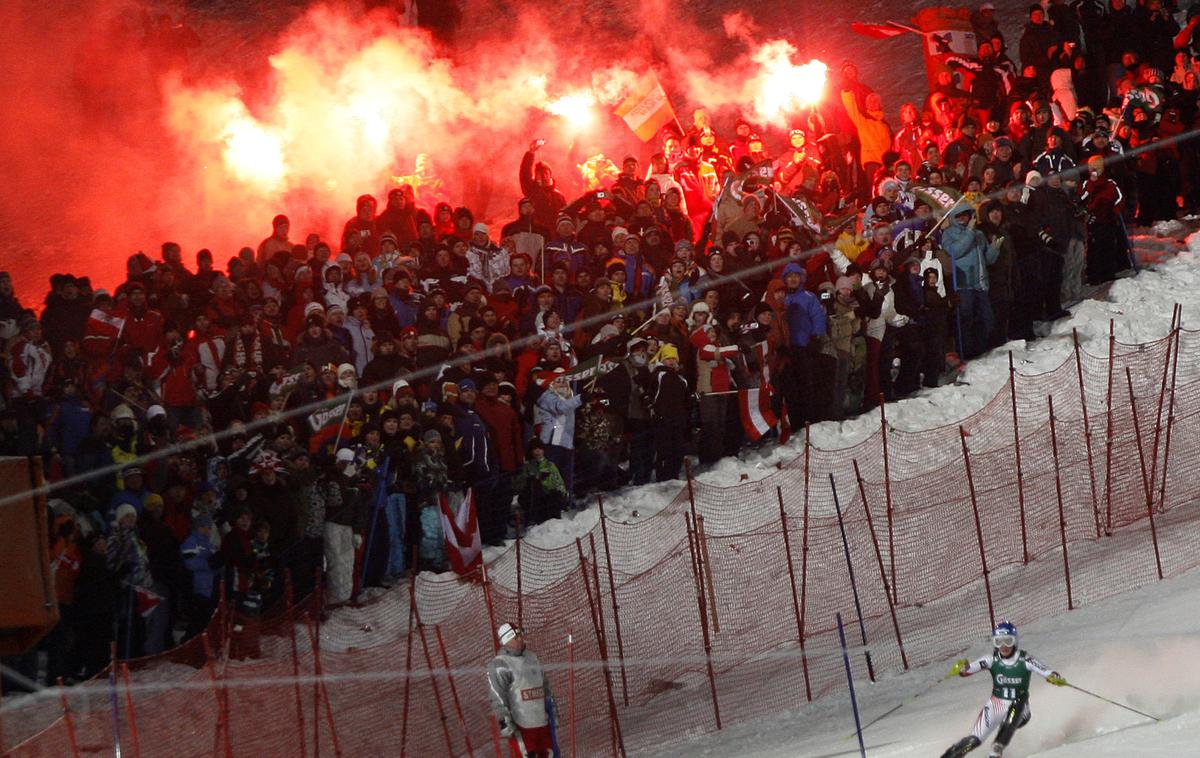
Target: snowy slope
[[1142, 649]]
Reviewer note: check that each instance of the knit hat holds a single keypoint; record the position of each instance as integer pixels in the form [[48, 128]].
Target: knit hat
[[123, 510], [344, 455], [431, 435], [506, 633], [844, 283], [666, 351]]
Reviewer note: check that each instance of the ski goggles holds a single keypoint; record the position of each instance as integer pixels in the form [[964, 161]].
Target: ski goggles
[[1004, 640]]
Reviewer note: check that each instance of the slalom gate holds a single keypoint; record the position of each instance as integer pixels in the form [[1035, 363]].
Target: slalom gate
[[1068, 487]]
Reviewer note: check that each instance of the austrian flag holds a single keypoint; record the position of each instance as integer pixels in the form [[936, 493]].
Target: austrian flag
[[646, 109], [757, 416], [461, 528]]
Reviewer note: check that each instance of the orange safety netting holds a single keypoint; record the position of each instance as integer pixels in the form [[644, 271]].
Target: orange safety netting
[[681, 625]]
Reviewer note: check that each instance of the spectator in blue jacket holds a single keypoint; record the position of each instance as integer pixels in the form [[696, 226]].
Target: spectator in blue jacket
[[198, 558], [554, 420], [806, 323], [971, 253]]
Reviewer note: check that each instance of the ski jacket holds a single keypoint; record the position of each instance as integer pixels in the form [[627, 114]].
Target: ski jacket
[[518, 688]]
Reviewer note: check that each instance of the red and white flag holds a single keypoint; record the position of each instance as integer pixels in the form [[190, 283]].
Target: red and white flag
[[147, 600], [877, 31], [461, 528], [757, 416]]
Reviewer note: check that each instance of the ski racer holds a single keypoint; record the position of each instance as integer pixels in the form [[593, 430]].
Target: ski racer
[[1008, 708]]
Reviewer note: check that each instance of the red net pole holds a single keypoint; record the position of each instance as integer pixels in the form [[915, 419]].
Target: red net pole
[[1162, 392], [706, 563], [437, 630], [987, 582], [1012, 392], [67, 720], [887, 494], [315, 633], [301, 729], [694, 550], [1108, 434], [1145, 482], [520, 603], [787, 547], [615, 721], [1087, 431], [1162, 487], [571, 689], [862, 492], [222, 726], [316, 679], [491, 611], [612, 593], [804, 553], [437, 691], [1062, 518], [133, 727], [408, 655]]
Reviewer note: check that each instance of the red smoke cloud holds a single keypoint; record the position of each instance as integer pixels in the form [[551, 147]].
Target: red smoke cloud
[[120, 138]]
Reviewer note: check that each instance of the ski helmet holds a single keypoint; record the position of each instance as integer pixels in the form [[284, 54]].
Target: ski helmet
[[1004, 635]]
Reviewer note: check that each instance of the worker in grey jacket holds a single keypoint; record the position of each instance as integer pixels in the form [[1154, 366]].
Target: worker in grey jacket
[[520, 693]]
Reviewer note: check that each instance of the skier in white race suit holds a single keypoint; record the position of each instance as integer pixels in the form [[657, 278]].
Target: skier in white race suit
[[1008, 707], [520, 692]]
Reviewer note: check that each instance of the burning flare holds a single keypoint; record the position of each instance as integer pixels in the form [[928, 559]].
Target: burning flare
[[782, 87]]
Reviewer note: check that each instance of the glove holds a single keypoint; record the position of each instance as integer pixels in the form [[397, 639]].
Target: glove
[[358, 541], [1056, 679], [506, 728], [1046, 239], [959, 667]]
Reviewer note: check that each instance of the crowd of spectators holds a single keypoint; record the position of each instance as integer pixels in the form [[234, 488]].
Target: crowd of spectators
[[358, 385]]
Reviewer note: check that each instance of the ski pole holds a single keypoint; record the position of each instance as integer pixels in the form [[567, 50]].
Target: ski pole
[[1113, 702]]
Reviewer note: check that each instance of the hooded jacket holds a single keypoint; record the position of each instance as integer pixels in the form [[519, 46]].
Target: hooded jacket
[[805, 317]]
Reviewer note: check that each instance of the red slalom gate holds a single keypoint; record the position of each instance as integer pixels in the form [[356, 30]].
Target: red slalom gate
[[663, 576]]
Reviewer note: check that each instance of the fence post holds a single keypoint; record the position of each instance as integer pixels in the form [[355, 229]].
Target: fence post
[[1108, 434], [615, 721], [1012, 391], [787, 547], [313, 645], [862, 492], [133, 727], [862, 626], [804, 548], [437, 691], [697, 569], [289, 600], [437, 630], [222, 724], [612, 592], [887, 494], [113, 673], [1087, 430], [706, 562], [491, 611], [1162, 391], [408, 655], [1062, 519], [571, 687], [1145, 482], [314, 631], [520, 603], [67, 720], [1162, 487], [987, 582]]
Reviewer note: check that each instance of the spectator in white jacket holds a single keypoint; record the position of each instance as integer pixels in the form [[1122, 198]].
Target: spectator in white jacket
[[881, 313]]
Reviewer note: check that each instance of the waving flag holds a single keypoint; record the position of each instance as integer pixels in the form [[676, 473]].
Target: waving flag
[[646, 109], [877, 31], [461, 528]]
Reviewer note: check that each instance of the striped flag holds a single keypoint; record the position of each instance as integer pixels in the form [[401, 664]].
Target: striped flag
[[877, 31], [461, 528], [757, 416], [646, 109]]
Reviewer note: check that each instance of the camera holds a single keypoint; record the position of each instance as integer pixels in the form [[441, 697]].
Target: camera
[[601, 195], [826, 295]]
